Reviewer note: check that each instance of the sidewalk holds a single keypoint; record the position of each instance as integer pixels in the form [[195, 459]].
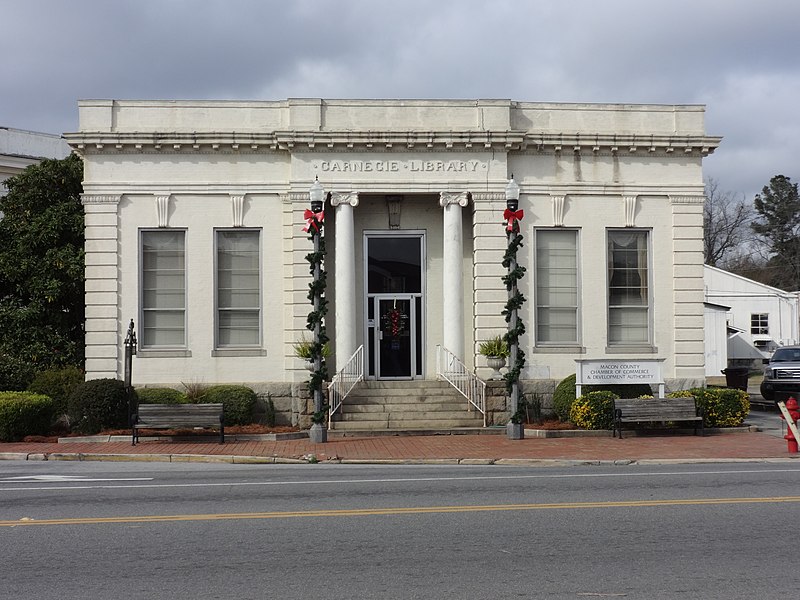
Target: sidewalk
[[744, 444]]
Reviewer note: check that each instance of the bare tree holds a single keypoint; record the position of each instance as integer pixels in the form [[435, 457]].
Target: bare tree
[[726, 219]]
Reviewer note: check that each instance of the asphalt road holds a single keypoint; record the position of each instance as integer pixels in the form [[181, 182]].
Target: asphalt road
[[160, 530]]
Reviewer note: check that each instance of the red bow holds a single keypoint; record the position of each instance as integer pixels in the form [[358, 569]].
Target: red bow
[[312, 218], [511, 216]]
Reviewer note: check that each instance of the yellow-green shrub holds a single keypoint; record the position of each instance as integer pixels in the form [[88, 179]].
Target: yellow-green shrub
[[721, 407], [593, 410]]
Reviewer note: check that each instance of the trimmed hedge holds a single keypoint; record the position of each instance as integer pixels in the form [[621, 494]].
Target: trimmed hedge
[[98, 404], [58, 384], [160, 396], [24, 413], [594, 410], [238, 402]]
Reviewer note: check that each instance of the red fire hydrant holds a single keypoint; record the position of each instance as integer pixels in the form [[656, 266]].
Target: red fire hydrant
[[794, 414]]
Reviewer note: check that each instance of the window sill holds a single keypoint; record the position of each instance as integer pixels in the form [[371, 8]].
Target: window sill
[[559, 350], [239, 352], [156, 353], [643, 349]]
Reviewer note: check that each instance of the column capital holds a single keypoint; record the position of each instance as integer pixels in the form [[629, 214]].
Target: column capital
[[460, 198], [350, 198]]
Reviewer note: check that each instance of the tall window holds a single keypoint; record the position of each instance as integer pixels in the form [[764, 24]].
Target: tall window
[[628, 288], [163, 288], [238, 288], [759, 324], [556, 286]]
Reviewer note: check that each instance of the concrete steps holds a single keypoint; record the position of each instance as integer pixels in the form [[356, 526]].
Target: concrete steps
[[398, 406]]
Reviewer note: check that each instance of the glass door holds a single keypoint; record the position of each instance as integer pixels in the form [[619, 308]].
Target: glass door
[[394, 289], [396, 337]]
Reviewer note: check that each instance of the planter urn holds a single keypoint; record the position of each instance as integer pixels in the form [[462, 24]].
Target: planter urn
[[496, 363]]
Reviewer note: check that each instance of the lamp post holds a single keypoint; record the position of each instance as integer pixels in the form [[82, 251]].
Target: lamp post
[[511, 217], [314, 223], [130, 352]]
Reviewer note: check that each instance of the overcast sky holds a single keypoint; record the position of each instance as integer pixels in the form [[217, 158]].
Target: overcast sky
[[741, 58]]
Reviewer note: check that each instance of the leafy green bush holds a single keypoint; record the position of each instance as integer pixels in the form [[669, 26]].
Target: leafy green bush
[[563, 397], [721, 407], [58, 384], [238, 402], [594, 410], [565, 393], [15, 373], [24, 413], [98, 404], [160, 396]]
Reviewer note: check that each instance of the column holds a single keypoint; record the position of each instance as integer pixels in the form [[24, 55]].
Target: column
[[453, 279], [345, 274]]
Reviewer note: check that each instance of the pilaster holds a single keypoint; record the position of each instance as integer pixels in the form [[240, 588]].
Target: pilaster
[[102, 285], [687, 248]]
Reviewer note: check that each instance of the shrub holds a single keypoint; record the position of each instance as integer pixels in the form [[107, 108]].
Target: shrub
[[721, 407], [24, 413], [58, 384], [160, 396], [594, 410], [564, 395], [195, 392], [238, 402], [15, 374], [98, 404]]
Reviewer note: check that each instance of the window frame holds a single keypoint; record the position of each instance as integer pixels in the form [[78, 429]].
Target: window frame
[[538, 342], [624, 344], [759, 324], [234, 348], [144, 346]]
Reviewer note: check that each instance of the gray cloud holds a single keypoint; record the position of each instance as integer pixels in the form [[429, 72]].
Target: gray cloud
[[735, 56]]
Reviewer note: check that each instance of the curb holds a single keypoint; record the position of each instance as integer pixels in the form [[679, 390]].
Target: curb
[[510, 462]]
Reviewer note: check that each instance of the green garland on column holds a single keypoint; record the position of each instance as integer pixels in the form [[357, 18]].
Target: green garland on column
[[316, 318], [516, 299]]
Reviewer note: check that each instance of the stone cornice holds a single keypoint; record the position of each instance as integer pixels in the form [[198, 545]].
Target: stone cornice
[[99, 199], [393, 141]]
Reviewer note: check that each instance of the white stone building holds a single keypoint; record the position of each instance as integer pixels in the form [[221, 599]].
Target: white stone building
[[194, 215]]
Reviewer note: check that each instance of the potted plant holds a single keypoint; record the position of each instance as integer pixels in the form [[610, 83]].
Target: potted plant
[[495, 350], [303, 349]]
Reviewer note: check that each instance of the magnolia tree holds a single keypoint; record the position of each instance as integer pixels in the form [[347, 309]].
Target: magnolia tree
[[41, 271]]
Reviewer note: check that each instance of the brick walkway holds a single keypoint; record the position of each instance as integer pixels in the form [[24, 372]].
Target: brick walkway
[[489, 448]]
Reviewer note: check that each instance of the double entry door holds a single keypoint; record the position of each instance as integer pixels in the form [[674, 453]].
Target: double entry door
[[394, 309]]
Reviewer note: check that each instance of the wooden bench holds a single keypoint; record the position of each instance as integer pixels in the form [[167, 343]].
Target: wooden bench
[[655, 410], [176, 416]]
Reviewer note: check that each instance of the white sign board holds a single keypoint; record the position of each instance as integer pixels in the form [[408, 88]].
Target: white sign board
[[619, 371]]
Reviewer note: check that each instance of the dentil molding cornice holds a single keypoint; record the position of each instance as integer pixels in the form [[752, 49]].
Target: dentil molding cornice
[[394, 141]]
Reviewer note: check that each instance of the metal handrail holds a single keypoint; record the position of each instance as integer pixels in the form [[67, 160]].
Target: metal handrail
[[344, 381], [469, 385]]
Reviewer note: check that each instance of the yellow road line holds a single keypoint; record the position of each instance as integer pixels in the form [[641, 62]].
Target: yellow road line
[[362, 512]]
